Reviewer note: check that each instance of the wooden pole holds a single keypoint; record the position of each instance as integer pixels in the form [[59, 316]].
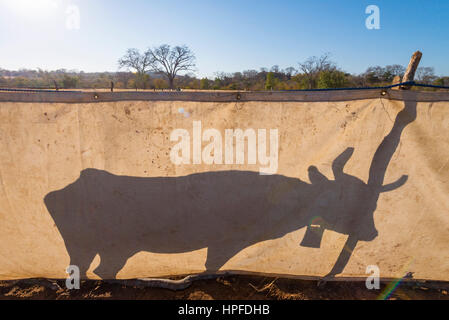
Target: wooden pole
[[396, 80], [411, 69]]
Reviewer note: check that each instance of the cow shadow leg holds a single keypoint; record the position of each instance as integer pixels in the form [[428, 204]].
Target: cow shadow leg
[[342, 260], [110, 265], [217, 258], [81, 258]]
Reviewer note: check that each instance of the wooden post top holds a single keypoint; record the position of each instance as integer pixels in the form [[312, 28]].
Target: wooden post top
[[411, 69]]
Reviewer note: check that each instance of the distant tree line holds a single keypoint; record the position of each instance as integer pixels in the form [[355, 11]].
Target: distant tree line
[[159, 68]]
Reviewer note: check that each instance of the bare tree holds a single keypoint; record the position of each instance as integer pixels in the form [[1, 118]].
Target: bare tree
[[312, 67], [171, 60], [275, 69], [134, 60], [250, 74], [378, 74], [290, 71], [140, 63], [426, 75], [395, 70]]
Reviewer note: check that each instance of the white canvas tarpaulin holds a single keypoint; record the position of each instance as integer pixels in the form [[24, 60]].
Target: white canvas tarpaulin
[[358, 178]]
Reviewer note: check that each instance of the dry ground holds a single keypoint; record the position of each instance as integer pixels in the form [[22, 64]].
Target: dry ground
[[228, 288]]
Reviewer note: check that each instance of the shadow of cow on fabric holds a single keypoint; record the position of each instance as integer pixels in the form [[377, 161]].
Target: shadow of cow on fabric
[[225, 212]]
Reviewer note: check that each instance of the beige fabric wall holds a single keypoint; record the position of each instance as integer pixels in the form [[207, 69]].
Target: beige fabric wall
[[92, 184]]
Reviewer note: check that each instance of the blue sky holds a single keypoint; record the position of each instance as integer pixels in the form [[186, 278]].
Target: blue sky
[[226, 36]]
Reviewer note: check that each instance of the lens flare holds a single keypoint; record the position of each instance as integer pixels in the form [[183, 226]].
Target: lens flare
[[392, 286], [32, 8]]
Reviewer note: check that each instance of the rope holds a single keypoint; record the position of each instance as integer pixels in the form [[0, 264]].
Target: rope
[[408, 83], [430, 86], [35, 90], [174, 285]]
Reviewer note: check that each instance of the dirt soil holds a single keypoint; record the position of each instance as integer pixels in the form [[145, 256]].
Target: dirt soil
[[227, 288]]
